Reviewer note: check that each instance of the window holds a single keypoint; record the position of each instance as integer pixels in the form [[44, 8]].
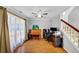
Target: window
[[16, 31]]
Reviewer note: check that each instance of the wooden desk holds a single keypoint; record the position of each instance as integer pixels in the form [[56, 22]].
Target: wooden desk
[[36, 34]]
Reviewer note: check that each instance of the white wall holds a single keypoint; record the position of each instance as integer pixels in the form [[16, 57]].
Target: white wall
[[64, 15], [45, 22], [55, 21], [42, 23], [74, 17]]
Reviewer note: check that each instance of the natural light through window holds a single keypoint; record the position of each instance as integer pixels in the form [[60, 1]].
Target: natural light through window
[[16, 30]]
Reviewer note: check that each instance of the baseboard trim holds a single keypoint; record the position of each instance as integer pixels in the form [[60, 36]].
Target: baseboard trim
[[65, 50]]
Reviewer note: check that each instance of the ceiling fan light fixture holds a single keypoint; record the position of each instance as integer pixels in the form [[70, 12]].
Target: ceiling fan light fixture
[[39, 16], [39, 13]]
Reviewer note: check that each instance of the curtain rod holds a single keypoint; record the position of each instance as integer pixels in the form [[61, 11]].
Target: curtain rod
[[12, 12], [15, 14]]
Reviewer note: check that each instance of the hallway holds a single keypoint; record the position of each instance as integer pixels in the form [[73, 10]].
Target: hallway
[[38, 46]]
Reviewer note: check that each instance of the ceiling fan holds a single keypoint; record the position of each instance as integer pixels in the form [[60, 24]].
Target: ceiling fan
[[40, 13]]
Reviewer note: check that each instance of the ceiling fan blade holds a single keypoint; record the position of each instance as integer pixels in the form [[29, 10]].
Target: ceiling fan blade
[[45, 13], [34, 13]]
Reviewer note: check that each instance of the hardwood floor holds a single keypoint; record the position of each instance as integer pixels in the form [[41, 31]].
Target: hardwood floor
[[38, 46]]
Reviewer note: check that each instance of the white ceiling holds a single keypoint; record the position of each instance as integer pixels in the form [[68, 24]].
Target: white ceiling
[[52, 10]]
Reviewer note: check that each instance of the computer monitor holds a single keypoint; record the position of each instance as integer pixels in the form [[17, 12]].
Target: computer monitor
[[53, 28]]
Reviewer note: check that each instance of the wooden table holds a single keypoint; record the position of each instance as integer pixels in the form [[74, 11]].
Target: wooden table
[[36, 34]]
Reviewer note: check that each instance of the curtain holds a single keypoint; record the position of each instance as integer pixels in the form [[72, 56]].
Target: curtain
[[16, 31], [12, 31], [4, 32]]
